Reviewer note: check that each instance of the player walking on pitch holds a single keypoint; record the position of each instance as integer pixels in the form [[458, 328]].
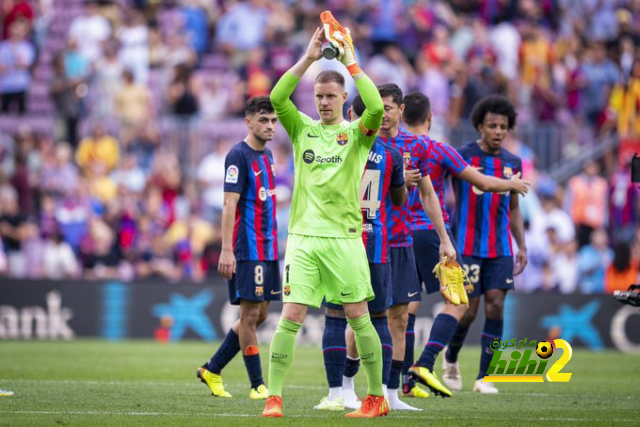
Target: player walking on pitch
[[249, 258], [382, 184], [325, 256], [485, 223], [444, 160], [405, 283]]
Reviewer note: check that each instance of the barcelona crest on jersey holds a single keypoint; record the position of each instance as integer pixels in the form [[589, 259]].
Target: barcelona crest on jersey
[[342, 138]]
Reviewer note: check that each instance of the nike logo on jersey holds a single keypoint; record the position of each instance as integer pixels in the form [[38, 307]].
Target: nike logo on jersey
[[275, 293], [509, 281], [310, 135], [345, 295], [257, 173], [412, 294]]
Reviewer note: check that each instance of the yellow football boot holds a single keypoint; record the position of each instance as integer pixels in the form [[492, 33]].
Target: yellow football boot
[[262, 392], [213, 381]]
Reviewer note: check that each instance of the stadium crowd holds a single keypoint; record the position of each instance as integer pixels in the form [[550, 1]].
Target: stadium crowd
[[106, 195]]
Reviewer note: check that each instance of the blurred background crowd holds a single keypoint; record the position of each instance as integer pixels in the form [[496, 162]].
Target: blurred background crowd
[[117, 116]]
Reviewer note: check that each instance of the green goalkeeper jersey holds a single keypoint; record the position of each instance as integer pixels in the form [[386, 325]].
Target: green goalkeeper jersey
[[328, 161]]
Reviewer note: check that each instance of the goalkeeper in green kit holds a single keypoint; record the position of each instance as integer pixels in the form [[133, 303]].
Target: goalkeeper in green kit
[[325, 255]]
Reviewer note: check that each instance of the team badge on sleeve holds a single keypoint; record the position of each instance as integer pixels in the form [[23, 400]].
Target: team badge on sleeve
[[232, 175], [342, 138]]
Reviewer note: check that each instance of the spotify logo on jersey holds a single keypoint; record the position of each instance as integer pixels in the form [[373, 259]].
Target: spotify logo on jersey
[[308, 156]]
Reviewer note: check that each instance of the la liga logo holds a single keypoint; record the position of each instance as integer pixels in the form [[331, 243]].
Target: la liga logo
[[523, 366]]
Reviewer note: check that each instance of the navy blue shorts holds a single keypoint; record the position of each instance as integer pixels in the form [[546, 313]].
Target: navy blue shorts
[[426, 246], [488, 273], [381, 284], [255, 281], [405, 285]]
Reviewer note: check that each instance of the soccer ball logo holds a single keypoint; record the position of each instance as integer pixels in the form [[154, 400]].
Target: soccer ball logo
[[544, 349]]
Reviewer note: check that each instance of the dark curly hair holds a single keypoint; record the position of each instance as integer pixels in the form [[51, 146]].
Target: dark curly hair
[[416, 108], [392, 90], [258, 105], [493, 104]]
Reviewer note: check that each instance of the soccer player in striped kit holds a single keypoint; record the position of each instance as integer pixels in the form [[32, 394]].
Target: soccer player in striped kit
[[249, 258], [485, 223], [444, 160]]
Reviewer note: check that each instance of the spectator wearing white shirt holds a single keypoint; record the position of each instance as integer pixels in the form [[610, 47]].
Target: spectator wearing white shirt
[[58, 260], [90, 31]]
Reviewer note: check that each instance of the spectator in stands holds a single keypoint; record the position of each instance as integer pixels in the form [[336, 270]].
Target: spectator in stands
[[12, 11], [624, 110], [107, 82], [129, 175], [195, 25], [593, 260], [623, 270], [59, 175], [14, 230], [134, 46], [90, 31], [16, 58], [565, 268], [623, 205], [98, 147], [391, 65], [255, 74], [158, 50], [133, 107], [58, 260], [601, 74], [100, 257], [101, 187], [551, 215], [211, 180], [181, 94], [242, 28], [64, 92], [586, 199]]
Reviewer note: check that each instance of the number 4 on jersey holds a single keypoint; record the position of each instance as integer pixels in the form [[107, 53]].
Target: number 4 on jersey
[[370, 192]]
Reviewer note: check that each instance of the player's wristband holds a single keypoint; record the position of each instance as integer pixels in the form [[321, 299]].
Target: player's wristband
[[354, 69]]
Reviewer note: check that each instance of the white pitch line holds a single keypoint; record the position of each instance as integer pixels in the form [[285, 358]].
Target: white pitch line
[[228, 415]]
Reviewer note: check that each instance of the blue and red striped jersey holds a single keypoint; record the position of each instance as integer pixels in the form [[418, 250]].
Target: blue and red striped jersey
[[384, 170], [414, 152], [482, 219], [443, 161], [251, 173]]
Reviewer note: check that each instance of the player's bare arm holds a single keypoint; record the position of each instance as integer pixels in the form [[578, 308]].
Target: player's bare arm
[[433, 210], [227, 262], [492, 184], [517, 230], [398, 195]]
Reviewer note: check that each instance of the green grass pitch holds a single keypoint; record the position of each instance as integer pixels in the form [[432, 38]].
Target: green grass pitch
[[136, 383]]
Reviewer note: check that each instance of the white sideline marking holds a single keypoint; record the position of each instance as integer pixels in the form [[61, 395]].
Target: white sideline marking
[[228, 415]]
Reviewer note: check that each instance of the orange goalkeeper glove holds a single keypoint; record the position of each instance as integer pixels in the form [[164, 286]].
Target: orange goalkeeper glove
[[340, 37]]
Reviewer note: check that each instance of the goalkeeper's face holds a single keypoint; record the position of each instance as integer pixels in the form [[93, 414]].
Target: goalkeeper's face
[[330, 98], [262, 125]]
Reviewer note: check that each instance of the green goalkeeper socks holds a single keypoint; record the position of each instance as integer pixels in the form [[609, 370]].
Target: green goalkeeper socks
[[370, 349], [282, 352]]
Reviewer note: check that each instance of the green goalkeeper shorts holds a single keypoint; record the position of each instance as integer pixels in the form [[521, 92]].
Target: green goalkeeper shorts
[[325, 267]]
